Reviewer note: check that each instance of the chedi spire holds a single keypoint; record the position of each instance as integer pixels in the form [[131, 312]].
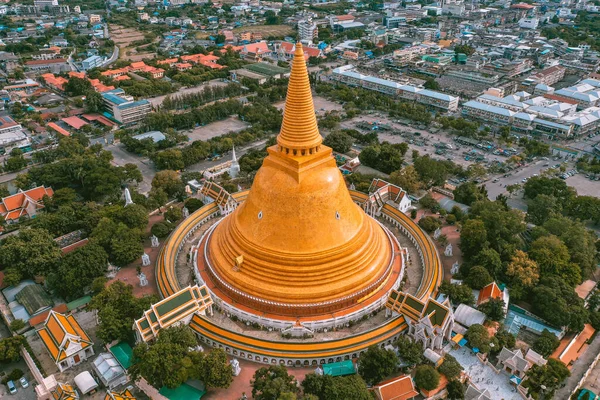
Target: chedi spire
[[299, 133]]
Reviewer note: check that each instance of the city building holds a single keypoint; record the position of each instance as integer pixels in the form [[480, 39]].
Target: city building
[[548, 76], [24, 204], [92, 62], [66, 342], [529, 23], [346, 74], [45, 3], [307, 30], [124, 108], [54, 65]]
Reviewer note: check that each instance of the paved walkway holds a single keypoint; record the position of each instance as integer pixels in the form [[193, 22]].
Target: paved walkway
[[579, 368], [484, 377]]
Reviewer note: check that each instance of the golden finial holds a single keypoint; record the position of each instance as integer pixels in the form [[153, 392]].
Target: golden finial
[[299, 133]]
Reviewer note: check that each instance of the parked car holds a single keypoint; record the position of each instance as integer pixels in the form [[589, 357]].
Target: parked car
[[23, 382], [11, 387]]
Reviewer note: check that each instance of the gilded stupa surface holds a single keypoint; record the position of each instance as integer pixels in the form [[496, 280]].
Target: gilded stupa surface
[[298, 245]]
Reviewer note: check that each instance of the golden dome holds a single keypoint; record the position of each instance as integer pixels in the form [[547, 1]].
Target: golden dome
[[298, 244]]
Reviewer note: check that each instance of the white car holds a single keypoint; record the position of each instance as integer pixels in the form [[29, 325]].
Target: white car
[[23, 382]]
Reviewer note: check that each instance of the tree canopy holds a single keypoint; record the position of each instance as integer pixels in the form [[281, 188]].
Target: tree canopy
[[376, 363]]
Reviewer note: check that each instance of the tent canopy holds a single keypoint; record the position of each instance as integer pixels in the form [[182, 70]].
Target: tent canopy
[[85, 382]]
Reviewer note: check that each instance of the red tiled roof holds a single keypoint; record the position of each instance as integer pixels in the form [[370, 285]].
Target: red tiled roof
[[99, 118], [40, 318], [491, 291], [569, 350], [59, 129], [43, 62], [75, 122]]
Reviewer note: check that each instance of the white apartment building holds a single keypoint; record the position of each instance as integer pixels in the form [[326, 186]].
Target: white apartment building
[[427, 97], [307, 30], [529, 23]]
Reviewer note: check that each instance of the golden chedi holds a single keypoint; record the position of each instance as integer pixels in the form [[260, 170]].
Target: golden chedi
[[298, 245]]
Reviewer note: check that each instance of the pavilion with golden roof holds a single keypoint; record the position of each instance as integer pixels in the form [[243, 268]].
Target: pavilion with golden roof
[[299, 248]]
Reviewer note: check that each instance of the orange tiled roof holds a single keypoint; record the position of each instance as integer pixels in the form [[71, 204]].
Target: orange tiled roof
[[168, 61], [400, 388], [491, 291], [59, 331], [17, 200], [59, 129], [569, 350], [80, 75]]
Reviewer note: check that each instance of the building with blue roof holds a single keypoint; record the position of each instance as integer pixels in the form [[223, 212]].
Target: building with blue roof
[[124, 109]]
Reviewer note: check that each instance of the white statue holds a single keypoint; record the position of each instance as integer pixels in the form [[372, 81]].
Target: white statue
[[448, 252], [185, 212], [128, 199], [235, 365], [154, 241], [319, 371], [455, 268], [437, 233], [188, 189], [143, 279], [112, 271], [234, 169], [145, 260], [352, 187]]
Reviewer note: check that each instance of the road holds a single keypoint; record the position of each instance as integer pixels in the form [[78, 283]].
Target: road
[[122, 157], [580, 366], [114, 57]]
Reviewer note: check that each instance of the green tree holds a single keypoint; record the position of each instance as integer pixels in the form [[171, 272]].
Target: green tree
[[17, 325], [426, 377], [16, 161], [458, 294], [505, 339], [32, 252], [171, 159], [542, 208], [193, 204], [271, 382], [468, 193], [409, 351], [554, 300], [407, 178], [429, 224], [173, 214], [94, 102], [336, 388], [376, 363], [473, 238], [546, 343], [117, 307], [339, 141], [478, 337], [168, 181], [553, 257], [77, 270], [450, 367], [10, 349], [214, 369], [456, 390], [78, 86], [478, 277], [164, 362], [432, 84], [490, 260], [493, 309], [431, 172], [549, 375], [134, 216]]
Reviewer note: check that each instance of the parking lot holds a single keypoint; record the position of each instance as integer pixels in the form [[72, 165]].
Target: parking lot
[[22, 393], [218, 128]]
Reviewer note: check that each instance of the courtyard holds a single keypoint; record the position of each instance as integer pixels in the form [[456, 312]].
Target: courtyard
[[484, 377]]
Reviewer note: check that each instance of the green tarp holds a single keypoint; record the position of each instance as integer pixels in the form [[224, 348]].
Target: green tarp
[[339, 368], [82, 301], [183, 392], [123, 353]]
